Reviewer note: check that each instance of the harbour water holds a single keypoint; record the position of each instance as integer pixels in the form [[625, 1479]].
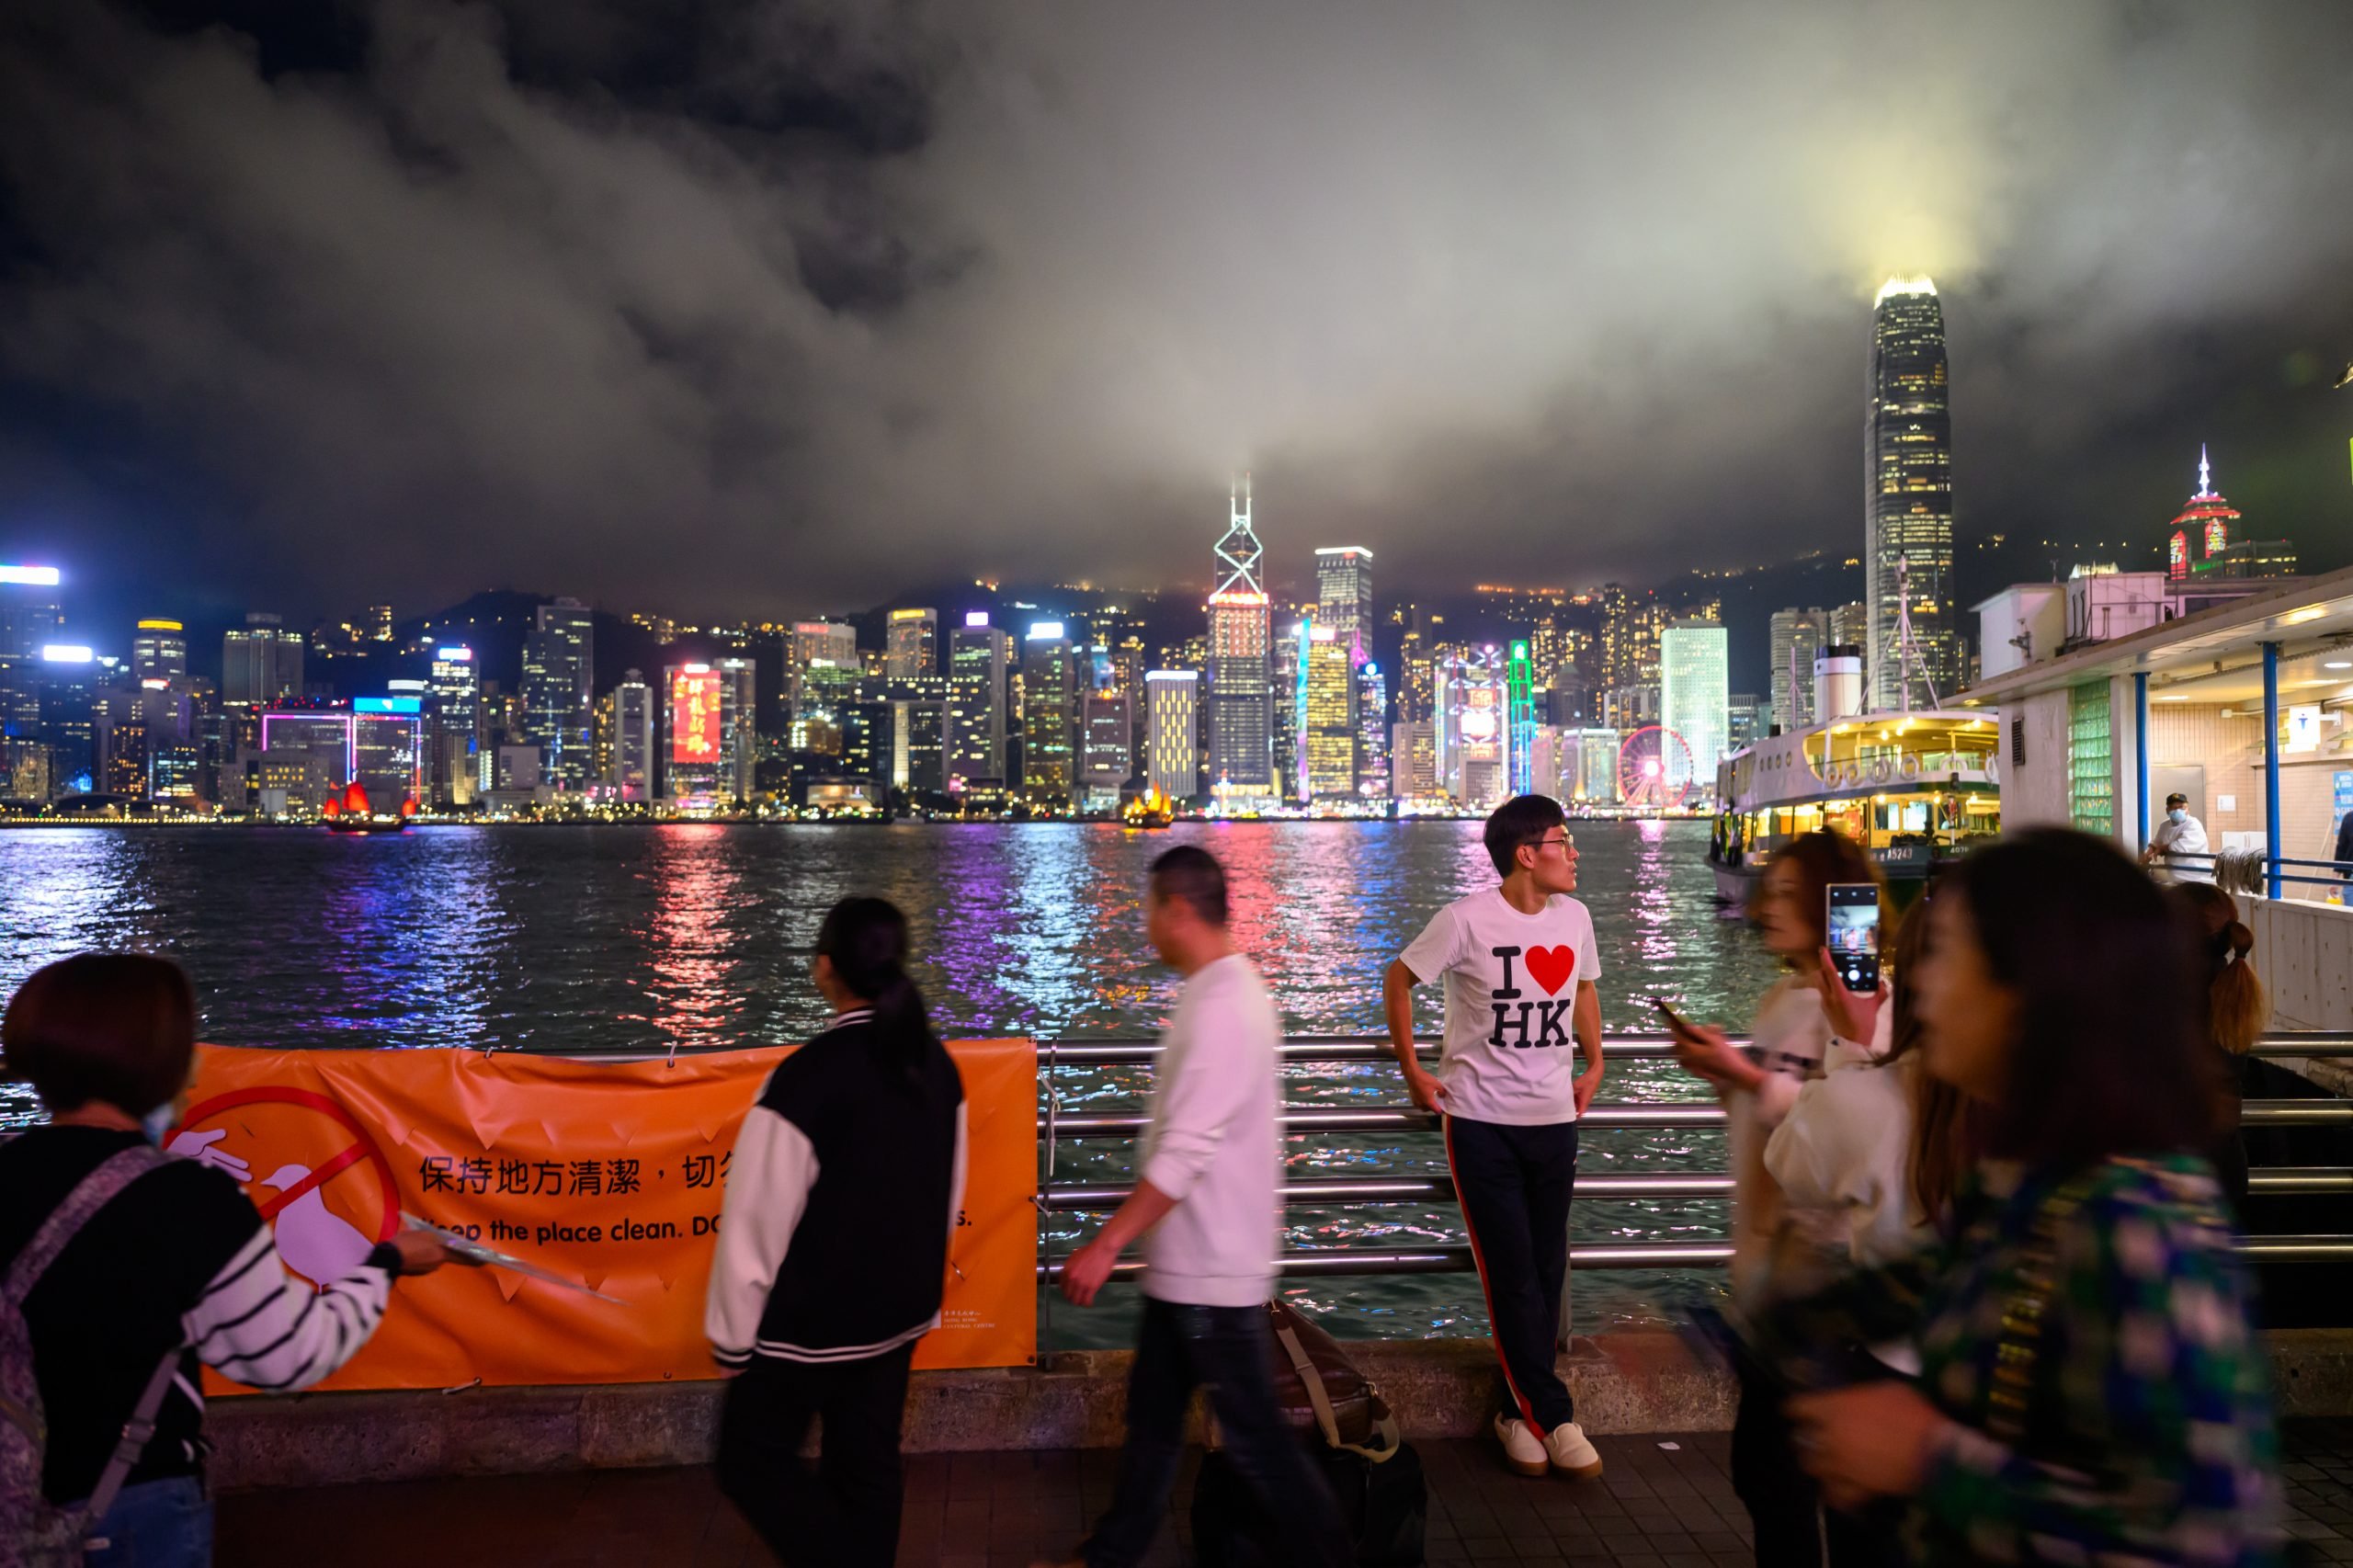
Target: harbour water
[[620, 939]]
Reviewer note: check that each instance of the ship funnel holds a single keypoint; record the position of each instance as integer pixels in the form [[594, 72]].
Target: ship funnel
[[1838, 682]]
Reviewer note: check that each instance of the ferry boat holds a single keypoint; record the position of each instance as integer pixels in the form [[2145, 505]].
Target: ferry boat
[[1914, 788]]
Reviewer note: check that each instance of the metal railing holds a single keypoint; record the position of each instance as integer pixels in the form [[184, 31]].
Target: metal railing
[[2206, 861], [1055, 1125], [1084, 1053]]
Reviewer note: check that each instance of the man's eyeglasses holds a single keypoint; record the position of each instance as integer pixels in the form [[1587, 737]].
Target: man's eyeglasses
[[1566, 843]]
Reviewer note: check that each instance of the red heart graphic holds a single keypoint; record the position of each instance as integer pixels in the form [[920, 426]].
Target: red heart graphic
[[1551, 967]]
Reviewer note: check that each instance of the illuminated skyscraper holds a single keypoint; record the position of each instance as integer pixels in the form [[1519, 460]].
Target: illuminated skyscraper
[[1051, 691], [1908, 498], [453, 743], [1519, 689], [559, 681], [158, 650], [978, 658], [1327, 728], [913, 648], [2204, 529], [827, 642], [1107, 747], [1373, 732], [1240, 717], [739, 729], [30, 614], [1172, 732], [1797, 636], [261, 663], [1343, 597], [1692, 697], [634, 769], [1469, 733], [1418, 665]]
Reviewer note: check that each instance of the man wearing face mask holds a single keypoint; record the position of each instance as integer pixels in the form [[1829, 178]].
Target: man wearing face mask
[[2179, 834]]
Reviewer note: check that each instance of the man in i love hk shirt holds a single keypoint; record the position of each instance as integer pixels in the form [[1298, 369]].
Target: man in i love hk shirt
[[1519, 964]]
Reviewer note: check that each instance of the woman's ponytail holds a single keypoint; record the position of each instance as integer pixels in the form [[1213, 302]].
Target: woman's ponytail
[[866, 941], [2235, 1006], [2238, 1005]]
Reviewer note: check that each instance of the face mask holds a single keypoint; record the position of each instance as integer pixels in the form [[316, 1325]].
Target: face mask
[[2176, 814], [159, 1122]]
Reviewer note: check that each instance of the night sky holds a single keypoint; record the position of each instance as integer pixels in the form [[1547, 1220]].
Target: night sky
[[734, 308]]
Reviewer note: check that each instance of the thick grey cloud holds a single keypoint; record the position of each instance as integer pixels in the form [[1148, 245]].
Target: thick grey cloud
[[785, 305]]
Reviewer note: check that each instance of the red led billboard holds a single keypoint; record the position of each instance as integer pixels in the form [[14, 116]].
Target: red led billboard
[[694, 716]]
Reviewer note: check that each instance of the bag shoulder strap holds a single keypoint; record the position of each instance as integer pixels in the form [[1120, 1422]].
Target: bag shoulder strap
[[1317, 1395], [93, 1193], [1384, 1425], [137, 1433], [2010, 1393]]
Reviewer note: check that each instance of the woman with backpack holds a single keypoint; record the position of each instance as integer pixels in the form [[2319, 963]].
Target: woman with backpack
[[833, 1253], [122, 1268], [2092, 1388]]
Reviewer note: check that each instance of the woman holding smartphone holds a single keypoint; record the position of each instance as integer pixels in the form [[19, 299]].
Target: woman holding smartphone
[[1781, 1249], [2092, 1387]]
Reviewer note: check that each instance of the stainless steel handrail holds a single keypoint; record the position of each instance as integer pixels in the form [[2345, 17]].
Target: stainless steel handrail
[[1404, 1119], [1645, 1254], [1457, 1259], [1606, 1187], [1091, 1053], [2300, 1179], [1622, 1113], [2301, 1113], [1082, 1199]]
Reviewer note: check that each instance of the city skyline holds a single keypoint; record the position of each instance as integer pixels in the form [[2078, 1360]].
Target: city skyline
[[836, 307]]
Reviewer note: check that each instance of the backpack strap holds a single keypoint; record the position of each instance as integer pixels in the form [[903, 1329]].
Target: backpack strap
[[93, 1193], [136, 1434], [2012, 1388]]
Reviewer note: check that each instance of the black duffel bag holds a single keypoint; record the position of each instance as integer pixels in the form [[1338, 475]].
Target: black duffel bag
[[1386, 1507], [1375, 1475]]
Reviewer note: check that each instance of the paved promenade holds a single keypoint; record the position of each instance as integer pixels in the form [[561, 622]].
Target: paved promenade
[[1665, 1502]]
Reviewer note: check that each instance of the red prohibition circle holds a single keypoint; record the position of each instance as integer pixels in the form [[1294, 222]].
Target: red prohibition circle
[[363, 1147]]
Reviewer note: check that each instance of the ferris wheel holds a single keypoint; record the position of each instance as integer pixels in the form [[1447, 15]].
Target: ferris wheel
[[1653, 769]]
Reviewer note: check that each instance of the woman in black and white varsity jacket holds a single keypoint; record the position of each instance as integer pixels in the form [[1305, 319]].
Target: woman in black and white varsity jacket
[[832, 1252]]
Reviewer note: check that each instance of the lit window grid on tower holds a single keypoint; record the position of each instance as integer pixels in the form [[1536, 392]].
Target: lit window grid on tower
[[1693, 697], [1343, 597], [1909, 497], [1520, 687], [1373, 732], [1172, 756], [1327, 714], [1239, 702]]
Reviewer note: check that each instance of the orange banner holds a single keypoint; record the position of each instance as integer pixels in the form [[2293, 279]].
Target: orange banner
[[610, 1174]]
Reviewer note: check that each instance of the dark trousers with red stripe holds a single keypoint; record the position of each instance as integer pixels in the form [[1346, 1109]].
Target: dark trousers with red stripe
[[1515, 1184]]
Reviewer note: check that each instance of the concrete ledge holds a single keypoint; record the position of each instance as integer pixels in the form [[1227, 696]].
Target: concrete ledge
[[1439, 1387]]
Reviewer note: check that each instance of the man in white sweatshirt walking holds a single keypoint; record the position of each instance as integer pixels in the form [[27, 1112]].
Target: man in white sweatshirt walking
[[1205, 1208]]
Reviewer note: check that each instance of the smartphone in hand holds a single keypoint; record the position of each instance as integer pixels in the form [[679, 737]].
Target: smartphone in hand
[[1851, 922], [1675, 1022]]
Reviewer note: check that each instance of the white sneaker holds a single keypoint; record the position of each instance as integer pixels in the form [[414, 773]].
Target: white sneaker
[[1523, 1450], [1570, 1451]]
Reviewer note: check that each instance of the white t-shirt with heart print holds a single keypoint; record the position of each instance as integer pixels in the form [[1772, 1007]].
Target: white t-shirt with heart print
[[1511, 990]]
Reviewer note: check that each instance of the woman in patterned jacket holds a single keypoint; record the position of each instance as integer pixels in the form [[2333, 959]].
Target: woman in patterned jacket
[[2091, 1389]]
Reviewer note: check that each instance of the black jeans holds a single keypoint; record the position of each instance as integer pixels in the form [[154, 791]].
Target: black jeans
[[1786, 1514], [1515, 1184], [845, 1512], [1229, 1352]]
